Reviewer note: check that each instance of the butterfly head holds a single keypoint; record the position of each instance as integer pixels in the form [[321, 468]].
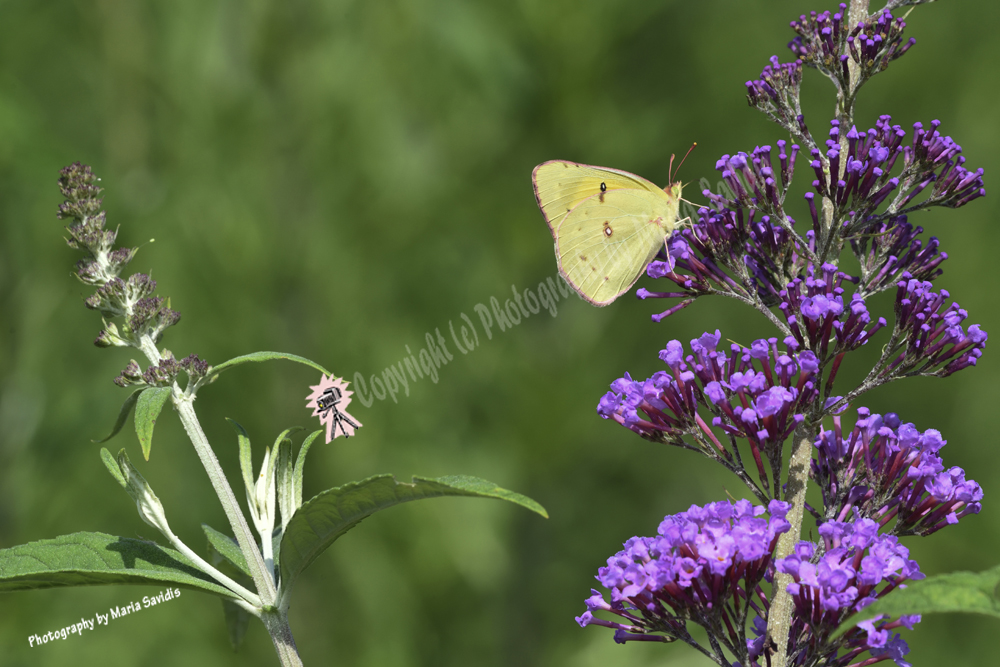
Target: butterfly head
[[674, 190]]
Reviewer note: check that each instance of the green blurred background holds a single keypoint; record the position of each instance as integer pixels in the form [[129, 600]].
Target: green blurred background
[[336, 179]]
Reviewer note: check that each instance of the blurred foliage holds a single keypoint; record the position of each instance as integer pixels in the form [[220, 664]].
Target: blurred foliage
[[336, 179]]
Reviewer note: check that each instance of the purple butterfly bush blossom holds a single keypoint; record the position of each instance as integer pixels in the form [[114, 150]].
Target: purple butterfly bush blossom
[[705, 566], [891, 472], [851, 567], [722, 567]]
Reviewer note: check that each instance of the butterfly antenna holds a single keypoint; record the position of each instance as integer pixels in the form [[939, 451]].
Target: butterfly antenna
[[141, 244], [693, 144]]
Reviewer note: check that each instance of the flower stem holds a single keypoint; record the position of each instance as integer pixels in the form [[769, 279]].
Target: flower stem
[[780, 614], [274, 618], [184, 404], [275, 621], [250, 598], [248, 545]]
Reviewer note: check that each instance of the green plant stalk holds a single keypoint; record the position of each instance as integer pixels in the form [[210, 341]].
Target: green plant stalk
[[248, 545], [252, 599], [184, 404], [275, 621], [780, 613], [779, 622]]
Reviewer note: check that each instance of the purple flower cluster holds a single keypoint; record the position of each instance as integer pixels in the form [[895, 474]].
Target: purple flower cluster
[[164, 373], [894, 248], [860, 180], [954, 185], [814, 309], [746, 246], [872, 44], [768, 402], [82, 207], [758, 250], [117, 297], [753, 179], [776, 92], [144, 315], [705, 565], [929, 338], [869, 160], [854, 567], [886, 470], [877, 41], [821, 36], [883, 475], [759, 394]]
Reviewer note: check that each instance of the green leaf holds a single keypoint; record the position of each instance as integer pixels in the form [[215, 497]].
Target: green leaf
[[479, 487], [285, 435], [971, 592], [111, 463], [246, 460], [257, 357], [225, 555], [300, 464], [285, 481], [279, 471], [96, 559], [122, 415], [147, 409], [237, 621], [325, 517], [226, 547]]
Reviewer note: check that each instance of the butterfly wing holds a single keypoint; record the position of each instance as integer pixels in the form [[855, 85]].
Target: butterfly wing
[[605, 242], [560, 186]]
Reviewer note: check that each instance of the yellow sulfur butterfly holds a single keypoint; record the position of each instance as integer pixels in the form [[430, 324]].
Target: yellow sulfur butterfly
[[607, 224]]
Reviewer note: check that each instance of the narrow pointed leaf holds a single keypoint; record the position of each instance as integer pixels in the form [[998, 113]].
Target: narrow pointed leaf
[[149, 506], [285, 481], [281, 473], [96, 559], [147, 409], [237, 622], [479, 487], [122, 415], [266, 492], [325, 517], [970, 592], [111, 463], [285, 435], [227, 548], [233, 565], [300, 463], [246, 463], [257, 357]]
